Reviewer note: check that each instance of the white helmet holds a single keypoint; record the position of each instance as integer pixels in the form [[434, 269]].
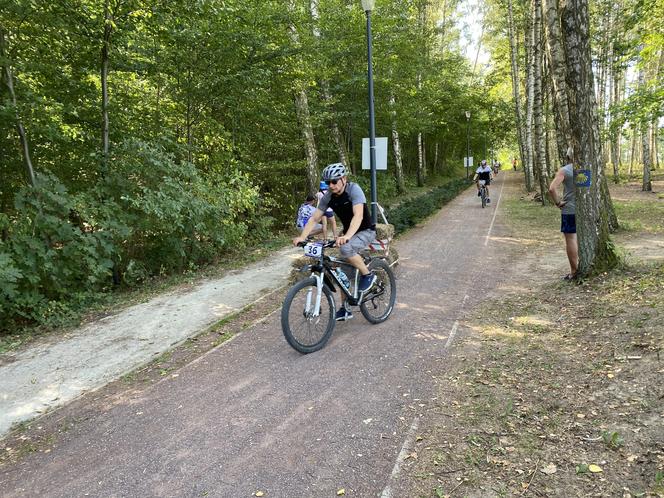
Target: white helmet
[[334, 171]]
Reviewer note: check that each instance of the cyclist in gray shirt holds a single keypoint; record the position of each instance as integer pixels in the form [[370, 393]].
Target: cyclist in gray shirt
[[349, 203]]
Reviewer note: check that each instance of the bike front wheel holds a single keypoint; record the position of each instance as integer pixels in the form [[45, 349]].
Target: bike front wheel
[[304, 331], [378, 303], [483, 199]]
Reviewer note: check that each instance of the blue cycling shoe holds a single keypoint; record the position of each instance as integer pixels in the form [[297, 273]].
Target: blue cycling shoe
[[366, 282]]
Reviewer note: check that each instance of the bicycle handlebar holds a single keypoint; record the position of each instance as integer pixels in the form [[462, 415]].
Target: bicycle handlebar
[[326, 243]]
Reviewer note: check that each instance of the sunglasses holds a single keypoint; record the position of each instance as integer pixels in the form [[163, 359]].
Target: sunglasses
[[333, 182]]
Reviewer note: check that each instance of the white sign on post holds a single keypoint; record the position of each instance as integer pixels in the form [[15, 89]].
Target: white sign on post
[[468, 161], [381, 153]]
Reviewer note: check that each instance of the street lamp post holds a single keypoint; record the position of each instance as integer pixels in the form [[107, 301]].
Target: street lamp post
[[467, 143], [368, 6]]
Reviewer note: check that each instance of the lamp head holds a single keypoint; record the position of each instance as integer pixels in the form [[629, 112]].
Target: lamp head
[[368, 5], [467, 114]]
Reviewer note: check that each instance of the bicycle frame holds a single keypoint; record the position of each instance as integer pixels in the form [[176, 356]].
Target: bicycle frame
[[322, 272]]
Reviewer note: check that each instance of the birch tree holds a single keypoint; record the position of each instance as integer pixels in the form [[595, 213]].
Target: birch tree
[[516, 81], [556, 53], [530, 98], [539, 146], [337, 136], [304, 117], [645, 141], [595, 249]]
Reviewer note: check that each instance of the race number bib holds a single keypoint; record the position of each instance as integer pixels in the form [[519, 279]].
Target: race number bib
[[313, 250]]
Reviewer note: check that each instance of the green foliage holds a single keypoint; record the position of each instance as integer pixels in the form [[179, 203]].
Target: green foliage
[[612, 439], [149, 215], [47, 258], [205, 147]]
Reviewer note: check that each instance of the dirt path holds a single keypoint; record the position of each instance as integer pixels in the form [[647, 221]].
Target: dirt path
[[48, 375], [254, 415]]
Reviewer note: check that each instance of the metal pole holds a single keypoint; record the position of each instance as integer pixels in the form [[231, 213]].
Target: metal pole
[[467, 165], [372, 123]]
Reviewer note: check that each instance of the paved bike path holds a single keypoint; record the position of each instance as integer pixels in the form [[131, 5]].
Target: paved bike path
[[254, 415]]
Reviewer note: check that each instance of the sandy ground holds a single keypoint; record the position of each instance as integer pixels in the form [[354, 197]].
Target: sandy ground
[[53, 373]]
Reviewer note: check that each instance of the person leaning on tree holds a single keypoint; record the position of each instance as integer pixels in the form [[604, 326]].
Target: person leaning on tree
[[567, 205]]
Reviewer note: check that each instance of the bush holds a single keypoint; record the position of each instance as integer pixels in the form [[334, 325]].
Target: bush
[[47, 258], [150, 214]]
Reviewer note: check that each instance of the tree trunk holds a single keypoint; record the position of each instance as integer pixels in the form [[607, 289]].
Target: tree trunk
[[556, 53], [516, 84], [302, 111], [337, 136], [615, 131], [538, 104], [8, 80], [632, 154], [421, 171], [645, 142], [530, 99], [396, 145], [105, 126], [592, 221]]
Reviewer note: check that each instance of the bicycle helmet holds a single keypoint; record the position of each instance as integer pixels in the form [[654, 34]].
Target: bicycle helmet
[[334, 171], [322, 185]]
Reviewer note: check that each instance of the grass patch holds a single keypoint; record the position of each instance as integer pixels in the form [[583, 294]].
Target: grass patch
[[640, 216]]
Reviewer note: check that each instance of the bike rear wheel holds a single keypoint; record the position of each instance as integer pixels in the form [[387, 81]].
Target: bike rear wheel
[[304, 332], [378, 303], [483, 198]]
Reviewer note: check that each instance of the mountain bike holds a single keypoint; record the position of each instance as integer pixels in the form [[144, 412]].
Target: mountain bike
[[483, 192], [308, 312]]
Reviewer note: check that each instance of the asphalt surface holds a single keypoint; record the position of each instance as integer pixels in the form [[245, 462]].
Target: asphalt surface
[[254, 415]]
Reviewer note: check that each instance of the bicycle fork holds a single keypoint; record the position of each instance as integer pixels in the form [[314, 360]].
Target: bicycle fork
[[315, 312]]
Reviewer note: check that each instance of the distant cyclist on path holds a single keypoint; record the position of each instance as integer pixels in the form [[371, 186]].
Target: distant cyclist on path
[[349, 203], [483, 172]]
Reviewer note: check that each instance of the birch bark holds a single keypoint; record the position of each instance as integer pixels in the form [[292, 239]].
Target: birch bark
[[645, 142], [396, 145], [530, 100], [516, 82], [595, 249], [302, 111], [556, 54], [539, 145]]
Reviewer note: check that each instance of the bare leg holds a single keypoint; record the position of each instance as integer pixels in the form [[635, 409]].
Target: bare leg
[[358, 263], [324, 223], [572, 252]]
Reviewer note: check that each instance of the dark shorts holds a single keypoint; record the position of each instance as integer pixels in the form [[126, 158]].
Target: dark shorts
[[329, 214], [568, 223]]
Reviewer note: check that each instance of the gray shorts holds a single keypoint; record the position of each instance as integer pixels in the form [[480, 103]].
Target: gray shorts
[[357, 243]]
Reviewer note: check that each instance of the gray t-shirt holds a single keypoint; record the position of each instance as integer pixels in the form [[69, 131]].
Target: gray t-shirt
[[568, 190], [354, 192]]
